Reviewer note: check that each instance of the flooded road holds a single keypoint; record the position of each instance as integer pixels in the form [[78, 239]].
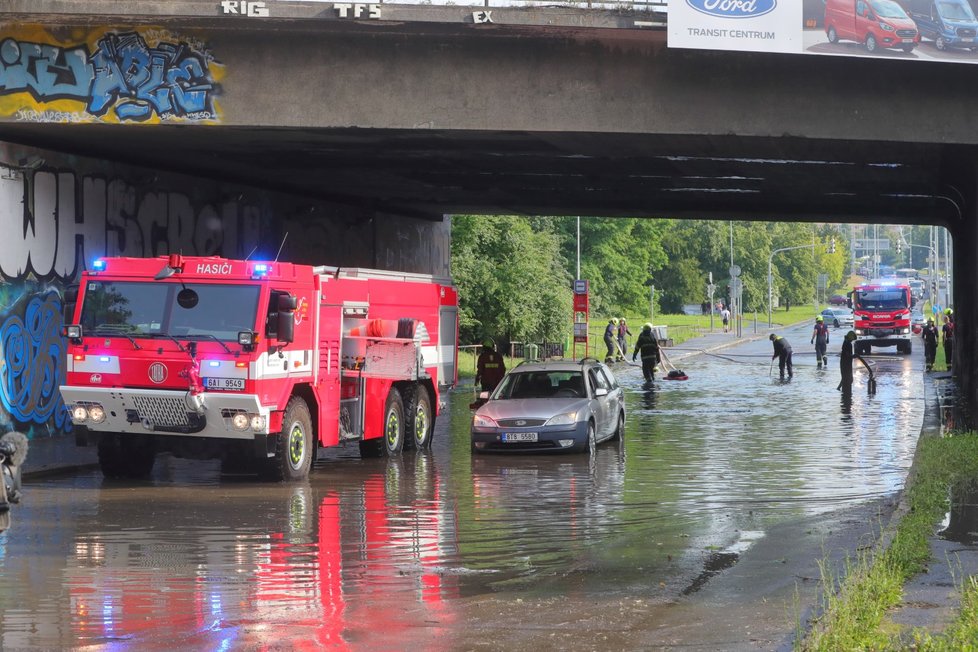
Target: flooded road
[[695, 531]]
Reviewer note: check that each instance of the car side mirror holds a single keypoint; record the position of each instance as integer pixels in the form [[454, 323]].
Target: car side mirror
[[286, 327], [601, 391]]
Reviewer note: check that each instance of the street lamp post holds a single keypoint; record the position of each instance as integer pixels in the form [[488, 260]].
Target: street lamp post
[[770, 276]]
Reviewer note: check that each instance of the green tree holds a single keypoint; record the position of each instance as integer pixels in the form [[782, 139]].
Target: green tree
[[512, 282]]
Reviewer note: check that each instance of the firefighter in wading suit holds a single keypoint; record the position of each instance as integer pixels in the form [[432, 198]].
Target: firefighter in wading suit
[[782, 351], [947, 332], [845, 362], [489, 368], [820, 338], [611, 339], [930, 336], [649, 348]]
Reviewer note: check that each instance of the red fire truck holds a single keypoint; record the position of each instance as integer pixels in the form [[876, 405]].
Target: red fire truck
[[881, 315], [255, 363]]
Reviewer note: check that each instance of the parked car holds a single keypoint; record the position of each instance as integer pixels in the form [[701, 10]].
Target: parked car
[[917, 321], [949, 23], [838, 317], [838, 300], [874, 23], [546, 407]]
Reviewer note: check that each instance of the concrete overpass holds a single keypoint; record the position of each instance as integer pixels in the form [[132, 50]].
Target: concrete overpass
[[399, 118]]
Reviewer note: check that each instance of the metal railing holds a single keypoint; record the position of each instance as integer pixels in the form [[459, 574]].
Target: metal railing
[[654, 6]]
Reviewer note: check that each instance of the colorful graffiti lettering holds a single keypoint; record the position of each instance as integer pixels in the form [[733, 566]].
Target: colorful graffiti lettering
[[124, 77], [33, 360]]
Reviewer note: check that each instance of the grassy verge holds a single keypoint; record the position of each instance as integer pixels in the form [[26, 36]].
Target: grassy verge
[[854, 615]]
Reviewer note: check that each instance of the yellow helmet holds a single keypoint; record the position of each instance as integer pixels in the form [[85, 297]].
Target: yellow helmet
[[647, 326]]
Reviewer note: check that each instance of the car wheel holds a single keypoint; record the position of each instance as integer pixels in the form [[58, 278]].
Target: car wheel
[[833, 36], [907, 48], [940, 43], [836, 323], [871, 43], [619, 432], [592, 441]]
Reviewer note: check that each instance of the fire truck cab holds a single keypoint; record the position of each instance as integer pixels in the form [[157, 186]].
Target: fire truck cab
[[255, 363], [881, 315]]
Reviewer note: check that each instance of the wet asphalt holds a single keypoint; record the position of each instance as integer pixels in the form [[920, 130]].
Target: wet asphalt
[[703, 529]]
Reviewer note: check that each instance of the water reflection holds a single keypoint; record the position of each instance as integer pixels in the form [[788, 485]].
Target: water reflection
[[383, 554]]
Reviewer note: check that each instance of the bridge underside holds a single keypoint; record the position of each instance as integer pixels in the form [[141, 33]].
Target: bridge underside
[[429, 173]]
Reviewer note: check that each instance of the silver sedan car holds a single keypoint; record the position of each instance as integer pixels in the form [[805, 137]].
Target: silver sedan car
[[546, 407], [838, 317]]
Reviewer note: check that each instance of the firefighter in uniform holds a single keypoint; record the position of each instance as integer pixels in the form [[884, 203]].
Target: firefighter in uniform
[[648, 346], [930, 336], [845, 363], [489, 368], [947, 332], [782, 351], [611, 339], [820, 338]]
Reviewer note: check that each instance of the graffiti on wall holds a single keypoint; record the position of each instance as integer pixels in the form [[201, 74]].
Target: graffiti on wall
[[141, 75], [55, 224]]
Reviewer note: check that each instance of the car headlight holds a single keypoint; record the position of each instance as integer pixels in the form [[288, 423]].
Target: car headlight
[[859, 331], [240, 421], [96, 413], [257, 422], [79, 413], [482, 421], [886, 28], [567, 419]]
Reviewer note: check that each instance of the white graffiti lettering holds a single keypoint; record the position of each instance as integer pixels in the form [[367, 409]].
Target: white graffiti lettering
[[53, 231], [356, 10]]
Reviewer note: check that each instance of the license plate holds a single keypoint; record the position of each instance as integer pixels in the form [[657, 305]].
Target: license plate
[[967, 40], [224, 383], [908, 40], [519, 436]]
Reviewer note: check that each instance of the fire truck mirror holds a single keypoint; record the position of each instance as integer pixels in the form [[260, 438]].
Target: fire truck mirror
[[70, 300], [287, 303], [187, 298], [286, 327]]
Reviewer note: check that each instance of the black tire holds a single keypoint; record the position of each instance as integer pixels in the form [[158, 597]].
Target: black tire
[[871, 45], [126, 456], [591, 445], [836, 323], [294, 446], [420, 422], [907, 48], [832, 35], [619, 433], [940, 43], [392, 440]]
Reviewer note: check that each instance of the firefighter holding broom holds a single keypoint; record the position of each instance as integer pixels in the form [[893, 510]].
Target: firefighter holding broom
[[648, 346]]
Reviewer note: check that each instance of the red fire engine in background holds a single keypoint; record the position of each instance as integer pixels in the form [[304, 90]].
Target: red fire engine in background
[[881, 315], [255, 363]]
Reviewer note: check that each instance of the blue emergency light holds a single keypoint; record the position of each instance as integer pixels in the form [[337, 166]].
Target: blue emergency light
[[98, 265], [262, 269]]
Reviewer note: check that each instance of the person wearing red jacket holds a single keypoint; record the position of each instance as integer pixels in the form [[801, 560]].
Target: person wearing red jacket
[[489, 368]]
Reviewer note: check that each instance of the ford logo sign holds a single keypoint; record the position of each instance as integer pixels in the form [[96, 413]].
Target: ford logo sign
[[521, 422], [733, 8]]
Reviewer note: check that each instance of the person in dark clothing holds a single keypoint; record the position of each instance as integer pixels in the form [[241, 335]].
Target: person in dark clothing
[[930, 336], [947, 332], [622, 332], [489, 368], [611, 339], [845, 363], [820, 338], [782, 351], [648, 346]]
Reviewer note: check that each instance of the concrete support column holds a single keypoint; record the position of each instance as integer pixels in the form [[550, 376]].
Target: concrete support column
[[963, 190]]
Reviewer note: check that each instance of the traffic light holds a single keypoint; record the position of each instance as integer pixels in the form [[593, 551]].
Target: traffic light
[[899, 247], [832, 245]]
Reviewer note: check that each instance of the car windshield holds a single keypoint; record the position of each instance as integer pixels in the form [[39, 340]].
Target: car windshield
[[542, 384], [954, 11], [150, 309], [880, 299], [888, 9]]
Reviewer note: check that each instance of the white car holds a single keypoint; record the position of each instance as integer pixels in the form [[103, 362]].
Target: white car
[[838, 317]]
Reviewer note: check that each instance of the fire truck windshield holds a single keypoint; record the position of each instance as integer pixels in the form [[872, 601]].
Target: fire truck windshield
[[894, 299], [151, 309]]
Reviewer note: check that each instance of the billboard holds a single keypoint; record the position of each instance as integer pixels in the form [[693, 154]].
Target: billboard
[[921, 30]]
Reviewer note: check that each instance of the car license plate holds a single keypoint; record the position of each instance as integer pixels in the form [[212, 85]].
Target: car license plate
[[967, 40], [509, 437], [908, 40], [224, 383]]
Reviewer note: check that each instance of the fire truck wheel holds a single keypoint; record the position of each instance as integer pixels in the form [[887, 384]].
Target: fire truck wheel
[[126, 456], [294, 446], [394, 423], [420, 421]]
